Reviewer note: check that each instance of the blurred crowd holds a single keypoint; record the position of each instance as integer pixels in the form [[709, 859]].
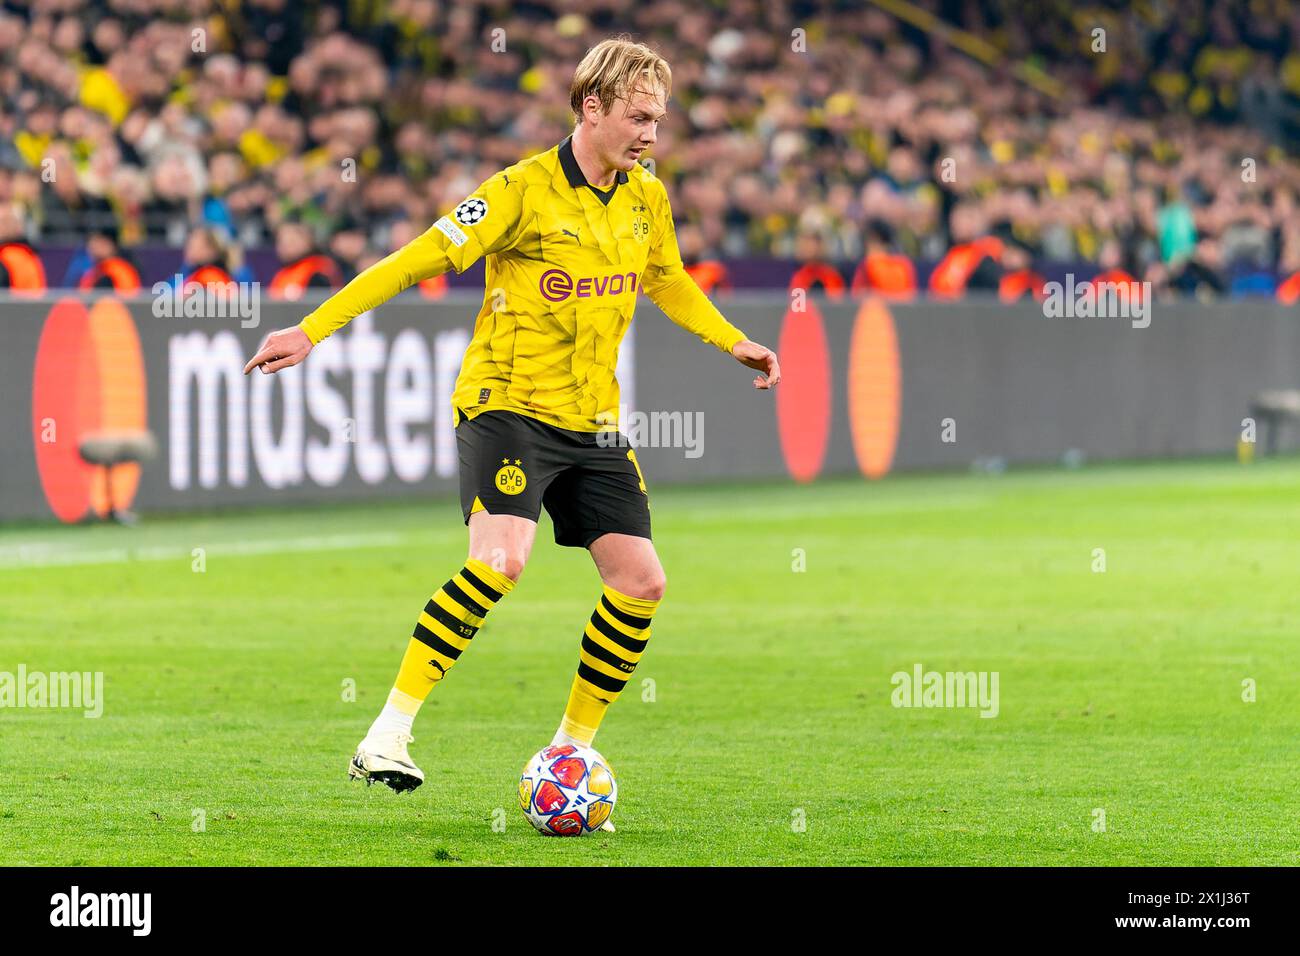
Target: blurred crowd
[[823, 132]]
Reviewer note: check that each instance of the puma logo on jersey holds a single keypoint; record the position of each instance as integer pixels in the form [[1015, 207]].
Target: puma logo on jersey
[[573, 234]]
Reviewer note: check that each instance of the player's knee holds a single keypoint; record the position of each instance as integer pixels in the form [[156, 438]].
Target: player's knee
[[502, 561], [512, 566], [649, 585]]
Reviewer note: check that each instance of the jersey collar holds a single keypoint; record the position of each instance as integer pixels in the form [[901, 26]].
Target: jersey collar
[[573, 173]]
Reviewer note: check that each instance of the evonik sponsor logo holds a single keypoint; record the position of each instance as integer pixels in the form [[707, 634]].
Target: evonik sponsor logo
[[556, 285]]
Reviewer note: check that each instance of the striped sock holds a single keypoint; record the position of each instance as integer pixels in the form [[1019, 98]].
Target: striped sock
[[446, 626], [612, 644]]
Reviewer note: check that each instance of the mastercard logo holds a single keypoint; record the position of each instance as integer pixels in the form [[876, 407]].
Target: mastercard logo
[[89, 380], [875, 389]]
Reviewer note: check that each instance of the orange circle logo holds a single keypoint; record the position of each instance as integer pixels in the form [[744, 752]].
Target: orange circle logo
[[88, 380], [875, 388]]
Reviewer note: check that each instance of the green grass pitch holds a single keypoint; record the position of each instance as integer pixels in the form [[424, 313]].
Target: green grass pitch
[[1120, 691]]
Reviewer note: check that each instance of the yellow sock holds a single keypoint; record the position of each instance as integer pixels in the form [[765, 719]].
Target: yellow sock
[[446, 626], [612, 644]]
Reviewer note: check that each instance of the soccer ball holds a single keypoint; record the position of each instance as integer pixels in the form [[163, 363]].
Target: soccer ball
[[567, 790]]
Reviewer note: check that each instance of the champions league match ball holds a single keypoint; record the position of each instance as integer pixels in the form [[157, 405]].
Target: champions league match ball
[[567, 791]]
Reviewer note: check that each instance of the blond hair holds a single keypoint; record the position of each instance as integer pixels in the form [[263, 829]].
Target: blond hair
[[615, 69]]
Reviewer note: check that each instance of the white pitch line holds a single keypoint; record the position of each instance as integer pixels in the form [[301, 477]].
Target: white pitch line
[[30, 556]]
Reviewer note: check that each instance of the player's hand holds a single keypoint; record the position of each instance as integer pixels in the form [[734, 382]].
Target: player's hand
[[280, 350], [761, 358]]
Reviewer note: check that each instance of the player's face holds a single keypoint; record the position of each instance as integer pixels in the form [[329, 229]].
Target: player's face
[[630, 129]]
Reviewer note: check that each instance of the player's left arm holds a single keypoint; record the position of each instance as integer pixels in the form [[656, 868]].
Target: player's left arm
[[671, 288]]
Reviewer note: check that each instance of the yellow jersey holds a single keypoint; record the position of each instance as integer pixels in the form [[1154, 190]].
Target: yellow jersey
[[565, 261]]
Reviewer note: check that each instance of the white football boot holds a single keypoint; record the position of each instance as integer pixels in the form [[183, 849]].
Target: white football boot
[[384, 757]]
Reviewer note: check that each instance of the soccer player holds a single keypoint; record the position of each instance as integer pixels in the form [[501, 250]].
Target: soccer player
[[570, 236]]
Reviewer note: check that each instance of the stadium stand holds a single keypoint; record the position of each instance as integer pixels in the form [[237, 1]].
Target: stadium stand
[[883, 136]]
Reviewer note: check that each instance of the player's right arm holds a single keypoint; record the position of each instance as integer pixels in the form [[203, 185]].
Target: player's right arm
[[485, 223]]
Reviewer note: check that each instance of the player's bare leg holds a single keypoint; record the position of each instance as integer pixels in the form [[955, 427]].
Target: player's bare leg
[[499, 546], [615, 637], [629, 564], [502, 542]]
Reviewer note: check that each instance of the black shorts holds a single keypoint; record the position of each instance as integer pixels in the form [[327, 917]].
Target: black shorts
[[512, 464]]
